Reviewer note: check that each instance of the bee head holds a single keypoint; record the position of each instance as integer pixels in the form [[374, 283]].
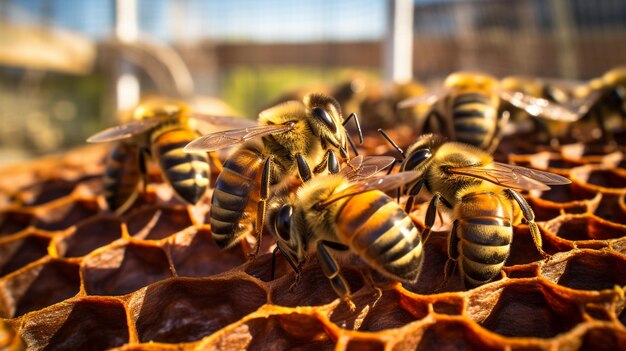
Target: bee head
[[159, 108], [616, 76], [325, 120], [419, 155], [470, 80]]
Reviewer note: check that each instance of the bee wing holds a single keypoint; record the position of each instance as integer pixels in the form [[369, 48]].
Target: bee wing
[[541, 176], [582, 105], [512, 176], [220, 140], [230, 121], [429, 98], [539, 107], [383, 183], [361, 167], [124, 131]]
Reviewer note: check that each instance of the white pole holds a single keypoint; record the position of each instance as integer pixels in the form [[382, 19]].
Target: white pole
[[398, 48], [564, 25], [127, 31]]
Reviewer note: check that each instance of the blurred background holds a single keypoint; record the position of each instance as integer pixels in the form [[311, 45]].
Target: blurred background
[[69, 67]]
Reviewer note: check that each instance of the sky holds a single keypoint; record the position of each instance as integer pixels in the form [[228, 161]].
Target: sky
[[190, 20]]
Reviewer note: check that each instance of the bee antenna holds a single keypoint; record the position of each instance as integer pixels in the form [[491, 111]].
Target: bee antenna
[[356, 152], [395, 146], [357, 124]]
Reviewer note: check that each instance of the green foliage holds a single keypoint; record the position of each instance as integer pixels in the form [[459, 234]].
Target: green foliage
[[249, 89]]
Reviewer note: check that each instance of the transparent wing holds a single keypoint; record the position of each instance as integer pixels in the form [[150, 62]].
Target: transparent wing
[[231, 121], [540, 176], [583, 105], [219, 140], [539, 107], [383, 183], [512, 176], [124, 131], [428, 99], [361, 167]]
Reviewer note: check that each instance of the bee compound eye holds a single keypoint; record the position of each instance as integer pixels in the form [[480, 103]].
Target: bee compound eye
[[416, 158], [282, 223], [324, 116]]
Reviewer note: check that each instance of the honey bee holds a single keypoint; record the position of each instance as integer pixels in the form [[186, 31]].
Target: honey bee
[[603, 99], [161, 129], [289, 138], [482, 196], [349, 214], [556, 91], [468, 109]]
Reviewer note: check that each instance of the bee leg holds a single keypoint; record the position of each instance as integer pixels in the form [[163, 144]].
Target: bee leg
[[286, 256], [369, 281], [415, 189], [266, 177], [431, 212], [453, 254], [321, 166], [331, 271], [303, 168], [143, 167], [529, 216], [333, 162], [330, 161], [393, 165]]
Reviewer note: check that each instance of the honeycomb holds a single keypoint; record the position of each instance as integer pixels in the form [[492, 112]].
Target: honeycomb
[[73, 276]]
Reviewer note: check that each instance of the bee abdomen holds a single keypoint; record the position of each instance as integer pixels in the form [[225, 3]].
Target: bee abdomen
[[484, 246], [188, 173], [232, 195], [121, 176], [474, 118], [382, 233], [470, 98]]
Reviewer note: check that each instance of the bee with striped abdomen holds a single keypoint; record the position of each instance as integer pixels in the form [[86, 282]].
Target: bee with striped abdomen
[[468, 109], [482, 196], [289, 139], [161, 129], [349, 214]]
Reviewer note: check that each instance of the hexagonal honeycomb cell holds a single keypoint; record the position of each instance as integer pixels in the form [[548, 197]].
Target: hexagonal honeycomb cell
[[75, 276]]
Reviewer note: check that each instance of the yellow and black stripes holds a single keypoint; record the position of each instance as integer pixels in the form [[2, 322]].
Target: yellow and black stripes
[[474, 116], [235, 189], [482, 242], [121, 176], [188, 173], [379, 230]]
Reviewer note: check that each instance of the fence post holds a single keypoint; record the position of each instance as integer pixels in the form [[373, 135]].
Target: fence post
[[127, 87], [563, 37], [398, 46]]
